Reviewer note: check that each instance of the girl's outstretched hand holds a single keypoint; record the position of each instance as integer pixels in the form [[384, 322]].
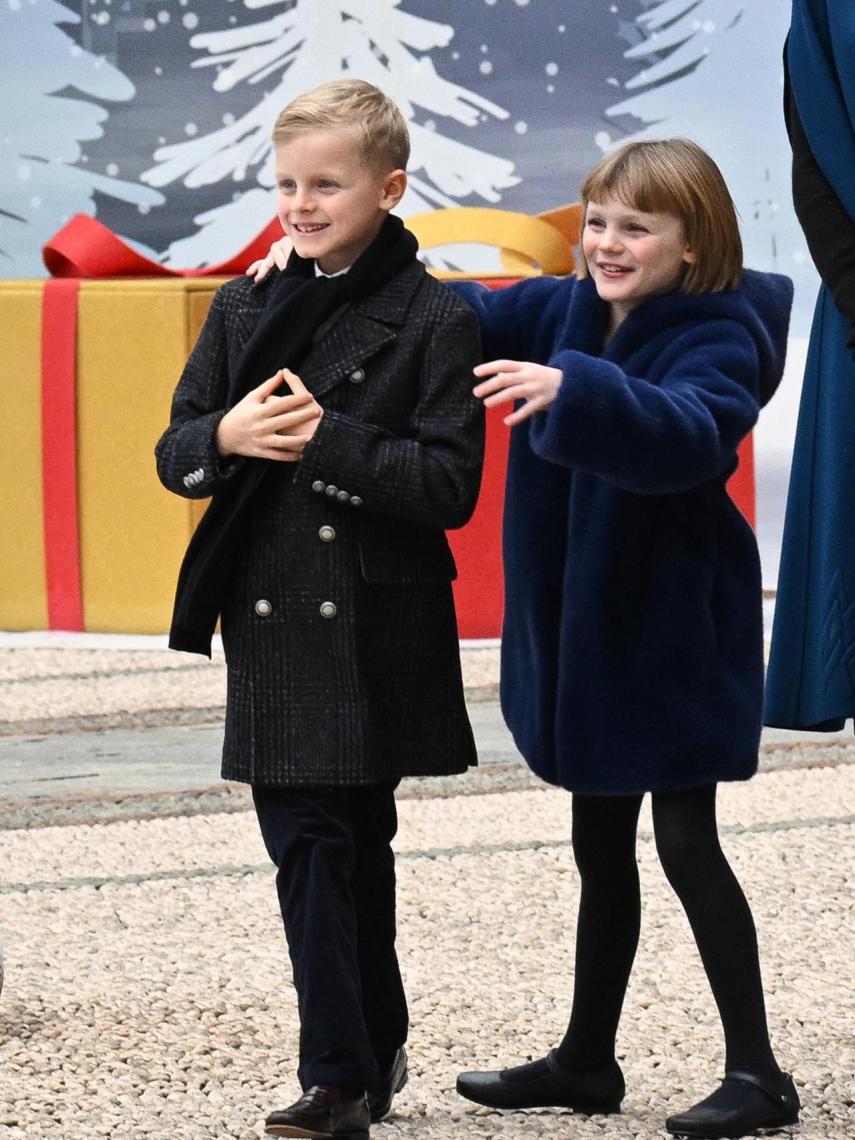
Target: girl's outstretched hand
[[506, 381], [277, 255], [266, 426]]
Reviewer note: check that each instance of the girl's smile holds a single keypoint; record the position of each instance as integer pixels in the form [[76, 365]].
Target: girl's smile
[[632, 255]]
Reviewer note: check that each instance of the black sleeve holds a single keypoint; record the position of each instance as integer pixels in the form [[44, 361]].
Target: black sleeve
[[829, 230]]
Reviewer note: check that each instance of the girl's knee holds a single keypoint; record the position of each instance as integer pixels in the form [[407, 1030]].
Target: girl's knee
[[686, 833], [604, 830]]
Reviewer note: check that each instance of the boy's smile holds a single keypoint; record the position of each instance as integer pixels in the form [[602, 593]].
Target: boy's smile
[[633, 255], [330, 200]]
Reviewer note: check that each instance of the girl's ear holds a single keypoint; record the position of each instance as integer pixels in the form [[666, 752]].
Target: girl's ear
[[689, 256], [394, 185]]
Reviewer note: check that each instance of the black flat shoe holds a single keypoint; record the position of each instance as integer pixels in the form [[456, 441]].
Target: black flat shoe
[[322, 1111], [391, 1082], [532, 1086], [753, 1107]]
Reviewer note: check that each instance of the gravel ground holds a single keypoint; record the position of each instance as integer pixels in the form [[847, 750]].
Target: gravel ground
[[147, 992]]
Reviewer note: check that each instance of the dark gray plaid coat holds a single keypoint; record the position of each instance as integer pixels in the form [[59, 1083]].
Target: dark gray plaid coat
[[339, 625]]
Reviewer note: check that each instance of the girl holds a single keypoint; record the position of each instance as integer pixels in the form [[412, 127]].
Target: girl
[[632, 644]]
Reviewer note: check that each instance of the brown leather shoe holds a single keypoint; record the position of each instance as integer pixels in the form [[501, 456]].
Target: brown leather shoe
[[322, 1111]]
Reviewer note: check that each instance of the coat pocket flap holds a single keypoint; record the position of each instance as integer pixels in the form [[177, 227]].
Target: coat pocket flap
[[407, 560]]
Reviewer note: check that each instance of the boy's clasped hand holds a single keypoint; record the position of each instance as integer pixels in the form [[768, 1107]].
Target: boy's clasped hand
[[264, 425]]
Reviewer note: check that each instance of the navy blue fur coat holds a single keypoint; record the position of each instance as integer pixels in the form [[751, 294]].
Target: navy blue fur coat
[[632, 650]]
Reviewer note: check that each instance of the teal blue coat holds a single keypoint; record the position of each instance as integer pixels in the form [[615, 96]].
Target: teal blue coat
[[811, 677]]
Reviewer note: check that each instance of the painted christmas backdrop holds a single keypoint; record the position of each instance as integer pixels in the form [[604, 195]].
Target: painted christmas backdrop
[[155, 115]]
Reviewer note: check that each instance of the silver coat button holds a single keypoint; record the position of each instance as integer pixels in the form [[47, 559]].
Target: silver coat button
[[326, 534], [328, 609], [357, 376], [343, 497], [331, 490], [263, 608], [319, 487], [355, 501]]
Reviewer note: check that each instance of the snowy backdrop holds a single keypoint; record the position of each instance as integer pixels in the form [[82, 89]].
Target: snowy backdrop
[[155, 115]]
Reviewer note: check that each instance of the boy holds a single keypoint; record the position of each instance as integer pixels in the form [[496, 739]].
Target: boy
[[324, 554]]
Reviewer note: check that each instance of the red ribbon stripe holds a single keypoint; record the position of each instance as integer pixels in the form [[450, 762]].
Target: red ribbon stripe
[[59, 455]]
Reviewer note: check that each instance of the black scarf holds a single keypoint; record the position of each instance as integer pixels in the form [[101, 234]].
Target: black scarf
[[299, 305]]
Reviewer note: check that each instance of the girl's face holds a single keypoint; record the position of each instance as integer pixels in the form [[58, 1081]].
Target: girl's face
[[631, 255]]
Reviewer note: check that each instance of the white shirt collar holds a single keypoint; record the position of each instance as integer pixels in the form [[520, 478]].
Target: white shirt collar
[[320, 273]]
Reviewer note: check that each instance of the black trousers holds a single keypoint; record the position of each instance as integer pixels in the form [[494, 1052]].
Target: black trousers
[[336, 887]]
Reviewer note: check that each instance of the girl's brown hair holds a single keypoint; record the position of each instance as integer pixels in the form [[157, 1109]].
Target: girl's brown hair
[[675, 176]]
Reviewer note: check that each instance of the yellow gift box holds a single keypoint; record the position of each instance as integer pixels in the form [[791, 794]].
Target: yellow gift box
[[133, 337]]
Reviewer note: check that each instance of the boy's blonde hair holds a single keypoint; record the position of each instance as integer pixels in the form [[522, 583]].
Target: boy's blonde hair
[[675, 176], [383, 134]]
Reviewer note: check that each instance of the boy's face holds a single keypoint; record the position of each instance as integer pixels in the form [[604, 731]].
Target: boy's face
[[633, 255], [330, 202]]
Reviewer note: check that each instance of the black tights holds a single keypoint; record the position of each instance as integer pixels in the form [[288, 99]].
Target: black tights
[[604, 833]]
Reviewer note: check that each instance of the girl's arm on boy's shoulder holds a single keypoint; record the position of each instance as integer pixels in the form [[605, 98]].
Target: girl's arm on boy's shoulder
[[517, 321], [655, 438], [430, 477], [188, 461]]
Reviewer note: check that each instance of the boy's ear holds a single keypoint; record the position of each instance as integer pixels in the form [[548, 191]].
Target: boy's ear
[[394, 185]]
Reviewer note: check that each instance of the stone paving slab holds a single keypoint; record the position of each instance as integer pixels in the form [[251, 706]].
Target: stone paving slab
[[85, 682]]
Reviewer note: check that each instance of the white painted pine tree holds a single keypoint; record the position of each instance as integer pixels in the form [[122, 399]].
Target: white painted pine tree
[[42, 183], [303, 43], [712, 70]]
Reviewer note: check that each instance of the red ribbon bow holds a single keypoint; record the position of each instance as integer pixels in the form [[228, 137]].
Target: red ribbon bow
[[86, 248]]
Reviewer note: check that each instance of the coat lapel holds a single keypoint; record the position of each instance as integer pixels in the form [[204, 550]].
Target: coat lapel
[[352, 341], [361, 332]]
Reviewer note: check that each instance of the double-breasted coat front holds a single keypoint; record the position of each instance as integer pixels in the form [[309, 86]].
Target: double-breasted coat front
[[338, 624]]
